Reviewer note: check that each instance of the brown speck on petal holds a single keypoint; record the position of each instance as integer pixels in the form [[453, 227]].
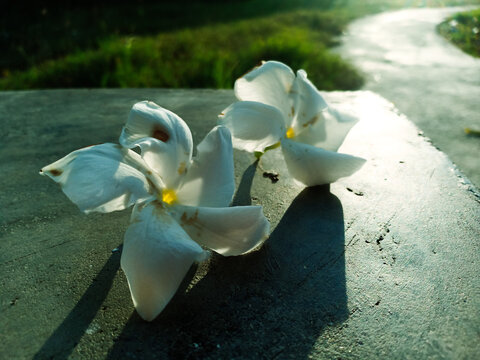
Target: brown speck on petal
[[192, 221], [150, 183], [260, 63], [160, 134], [182, 168], [292, 111], [312, 121], [55, 172], [89, 146], [158, 205], [160, 211]]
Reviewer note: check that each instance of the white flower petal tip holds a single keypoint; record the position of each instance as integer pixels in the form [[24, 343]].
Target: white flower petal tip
[[156, 256], [308, 104], [315, 166], [254, 126], [228, 231], [330, 132], [164, 139], [149, 122], [86, 176], [210, 180], [268, 83]]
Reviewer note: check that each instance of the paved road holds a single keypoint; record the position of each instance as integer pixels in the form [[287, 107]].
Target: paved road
[[435, 84], [380, 265]]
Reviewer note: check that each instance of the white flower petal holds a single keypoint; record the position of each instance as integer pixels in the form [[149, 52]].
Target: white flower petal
[[163, 137], [156, 256], [254, 125], [315, 166], [228, 231], [269, 83], [330, 131], [307, 102], [101, 178], [210, 179]]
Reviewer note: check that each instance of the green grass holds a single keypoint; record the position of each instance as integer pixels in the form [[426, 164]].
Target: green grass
[[49, 29], [182, 43], [463, 29], [210, 56]]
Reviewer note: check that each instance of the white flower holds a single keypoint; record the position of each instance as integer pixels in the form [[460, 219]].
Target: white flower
[[453, 23], [278, 108], [176, 199]]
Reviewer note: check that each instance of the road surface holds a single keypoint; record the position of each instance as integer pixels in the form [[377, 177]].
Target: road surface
[[428, 79]]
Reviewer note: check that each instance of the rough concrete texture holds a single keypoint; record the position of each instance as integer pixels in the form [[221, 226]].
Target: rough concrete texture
[[427, 78], [383, 264]]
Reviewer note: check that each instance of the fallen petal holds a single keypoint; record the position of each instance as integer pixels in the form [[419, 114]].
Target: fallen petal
[[330, 131], [210, 179], [315, 166], [308, 104], [228, 231], [156, 255], [253, 125], [269, 83], [101, 178], [164, 139]]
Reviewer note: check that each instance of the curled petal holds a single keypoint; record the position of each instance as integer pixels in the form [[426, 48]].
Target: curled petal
[[269, 83], [163, 137], [315, 166], [228, 231], [101, 178], [308, 104], [156, 256], [330, 131], [254, 126], [210, 179]]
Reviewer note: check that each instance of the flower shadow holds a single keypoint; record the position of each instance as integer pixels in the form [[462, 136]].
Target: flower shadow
[[274, 302], [63, 340], [242, 195]]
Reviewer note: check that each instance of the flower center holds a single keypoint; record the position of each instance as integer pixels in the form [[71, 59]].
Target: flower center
[[169, 196], [290, 133]]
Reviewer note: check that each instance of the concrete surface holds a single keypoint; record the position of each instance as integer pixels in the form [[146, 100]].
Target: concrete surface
[[383, 264], [427, 78]]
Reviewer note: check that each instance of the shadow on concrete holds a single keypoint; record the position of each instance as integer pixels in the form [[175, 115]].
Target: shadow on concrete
[[274, 302], [64, 339], [242, 196]]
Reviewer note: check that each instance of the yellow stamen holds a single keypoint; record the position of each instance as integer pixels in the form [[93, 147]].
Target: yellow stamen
[[169, 196], [290, 133]]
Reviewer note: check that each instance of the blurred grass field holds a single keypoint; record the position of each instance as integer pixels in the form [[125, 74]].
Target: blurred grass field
[[177, 44], [463, 29]]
